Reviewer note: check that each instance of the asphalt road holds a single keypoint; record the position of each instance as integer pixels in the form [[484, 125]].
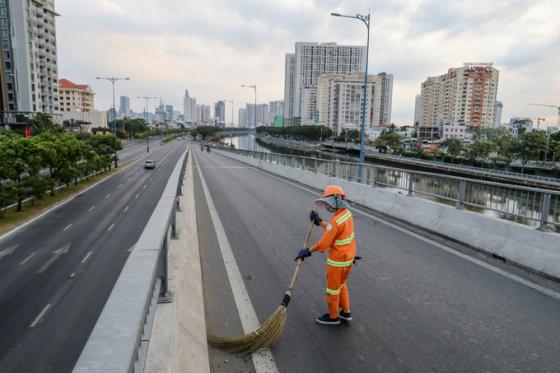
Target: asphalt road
[[416, 306], [57, 272]]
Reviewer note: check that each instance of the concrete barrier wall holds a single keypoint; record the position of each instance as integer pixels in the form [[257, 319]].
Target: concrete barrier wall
[[535, 250]]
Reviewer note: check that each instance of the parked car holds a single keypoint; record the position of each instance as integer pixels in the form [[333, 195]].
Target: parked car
[[150, 163]]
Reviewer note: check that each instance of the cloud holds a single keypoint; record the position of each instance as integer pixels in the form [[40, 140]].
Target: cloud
[[212, 47], [109, 7]]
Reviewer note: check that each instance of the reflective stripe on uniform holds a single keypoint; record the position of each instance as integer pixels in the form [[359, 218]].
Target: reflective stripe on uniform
[[343, 218], [344, 241], [333, 292], [339, 264]]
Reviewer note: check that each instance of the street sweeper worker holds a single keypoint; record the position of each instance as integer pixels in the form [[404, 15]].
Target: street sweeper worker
[[339, 242]]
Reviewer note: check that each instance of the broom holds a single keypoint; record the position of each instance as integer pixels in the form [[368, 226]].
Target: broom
[[266, 334]]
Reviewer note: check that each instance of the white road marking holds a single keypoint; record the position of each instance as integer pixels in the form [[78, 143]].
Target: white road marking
[[28, 258], [144, 187], [137, 195], [120, 186], [518, 279], [9, 251], [56, 254], [91, 208], [126, 208], [108, 195], [151, 178], [110, 227], [87, 257], [68, 227], [264, 360], [40, 316]]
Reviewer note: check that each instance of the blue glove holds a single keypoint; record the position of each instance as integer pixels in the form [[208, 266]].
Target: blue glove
[[303, 253], [315, 218]]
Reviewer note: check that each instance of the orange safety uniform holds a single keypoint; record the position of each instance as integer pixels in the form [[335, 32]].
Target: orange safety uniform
[[338, 238]]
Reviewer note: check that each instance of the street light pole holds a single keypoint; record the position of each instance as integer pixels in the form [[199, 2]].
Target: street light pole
[[147, 98], [254, 86], [113, 80], [231, 142], [366, 20]]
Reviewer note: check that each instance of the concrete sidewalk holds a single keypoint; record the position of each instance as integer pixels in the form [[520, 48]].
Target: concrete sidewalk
[[178, 341]]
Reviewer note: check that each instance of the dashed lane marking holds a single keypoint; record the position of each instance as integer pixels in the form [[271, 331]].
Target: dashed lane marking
[[40, 316], [137, 195], [67, 227], [108, 195], [91, 208], [87, 257], [56, 254], [28, 258], [110, 227], [9, 251], [126, 208]]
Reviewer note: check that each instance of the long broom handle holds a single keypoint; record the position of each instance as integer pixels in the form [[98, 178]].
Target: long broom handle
[[299, 261]]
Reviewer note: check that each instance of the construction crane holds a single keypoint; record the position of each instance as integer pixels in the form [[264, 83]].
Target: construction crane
[[551, 106]]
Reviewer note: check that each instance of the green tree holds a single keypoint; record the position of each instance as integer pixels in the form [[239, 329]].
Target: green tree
[[480, 149], [528, 146], [505, 148], [453, 146], [390, 140], [43, 123]]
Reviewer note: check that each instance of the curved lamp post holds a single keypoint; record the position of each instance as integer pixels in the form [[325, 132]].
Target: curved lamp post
[[365, 18]]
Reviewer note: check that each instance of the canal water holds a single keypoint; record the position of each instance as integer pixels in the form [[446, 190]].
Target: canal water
[[523, 207]]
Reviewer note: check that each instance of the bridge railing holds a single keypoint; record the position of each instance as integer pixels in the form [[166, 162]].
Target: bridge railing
[[532, 206], [119, 340]]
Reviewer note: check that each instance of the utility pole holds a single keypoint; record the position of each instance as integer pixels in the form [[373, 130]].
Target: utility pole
[[147, 98], [113, 80], [231, 142], [254, 86], [365, 18]]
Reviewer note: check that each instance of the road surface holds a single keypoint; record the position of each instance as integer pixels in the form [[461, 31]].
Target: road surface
[[57, 272], [418, 305]]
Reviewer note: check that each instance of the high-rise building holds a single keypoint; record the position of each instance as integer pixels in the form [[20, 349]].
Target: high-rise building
[[498, 114], [276, 108], [75, 97], [169, 112], [289, 87], [263, 115], [310, 61], [29, 52], [242, 117], [340, 100], [417, 109], [124, 107], [220, 111], [385, 91], [189, 108], [465, 96], [203, 113]]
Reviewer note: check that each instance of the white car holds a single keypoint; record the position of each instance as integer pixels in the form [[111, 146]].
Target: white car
[[150, 163]]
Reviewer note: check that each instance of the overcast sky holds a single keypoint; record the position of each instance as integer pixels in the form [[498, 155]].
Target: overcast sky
[[212, 47]]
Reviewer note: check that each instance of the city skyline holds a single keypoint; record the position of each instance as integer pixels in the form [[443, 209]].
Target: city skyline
[[412, 40]]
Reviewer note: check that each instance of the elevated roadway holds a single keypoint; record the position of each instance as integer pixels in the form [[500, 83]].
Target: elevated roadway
[[420, 304]]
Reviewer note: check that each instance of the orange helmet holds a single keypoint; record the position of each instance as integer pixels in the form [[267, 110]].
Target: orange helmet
[[333, 190]]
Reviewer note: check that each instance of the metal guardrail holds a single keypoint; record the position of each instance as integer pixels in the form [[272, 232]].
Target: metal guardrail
[[532, 206], [119, 340]]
